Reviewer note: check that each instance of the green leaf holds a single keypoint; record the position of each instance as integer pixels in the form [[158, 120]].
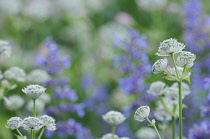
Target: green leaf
[[188, 80]]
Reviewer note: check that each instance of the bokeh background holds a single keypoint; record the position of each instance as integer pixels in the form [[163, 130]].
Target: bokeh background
[[77, 43]]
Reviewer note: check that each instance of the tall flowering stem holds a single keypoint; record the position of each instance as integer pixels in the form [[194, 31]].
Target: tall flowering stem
[[113, 131], [180, 99], [180, 110], [180, 71]]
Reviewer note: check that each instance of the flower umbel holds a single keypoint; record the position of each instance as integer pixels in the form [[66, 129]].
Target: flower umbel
[[14, 123], [114, 118], [48, 122], [34, 91], [157, 88], [169, 46], [185, 59], [142, 113], [32, 123]]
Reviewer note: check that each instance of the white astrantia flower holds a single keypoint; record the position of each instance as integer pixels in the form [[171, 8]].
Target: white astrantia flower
[[157, 88], [162, 115], [124, 138], [48, 122], [5, 49], [6, 84], [39, 106], [169, 46], [172, 74], [46, 98], [185, 59], [14, 123], [109, 136], [32, 123], [1, 75], [142, 113], [38, 76], [160, 66], [14, 102], [146, 133], [113, 118], [185, 89], [15, 73], [34, 91], [172, 94]]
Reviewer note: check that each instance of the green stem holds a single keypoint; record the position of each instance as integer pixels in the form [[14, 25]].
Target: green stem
[[34, 113], [113, 131], [164, 105], [19, 133], [172, 57], [32, 135], [173, 127], [34, 106], [41, 133], [152, 124], [180, 110]]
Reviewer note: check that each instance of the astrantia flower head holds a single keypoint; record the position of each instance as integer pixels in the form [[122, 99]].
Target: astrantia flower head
[[162, 115], [14, 123], [169, 46], [38, 76], [14, 102], [5, 49], [114, 118], [15, 73], [109, 136], [48, 122], [157, 88], [160, 65], [142, 113], [125, 138], [146, 133], [185, 59], [32, 123], [34, 91]]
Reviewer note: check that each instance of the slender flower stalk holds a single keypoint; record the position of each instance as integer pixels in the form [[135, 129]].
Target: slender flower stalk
[[41, 133], [19, 133], [113, 131], [180, 110], [180, 97], [153, 124]]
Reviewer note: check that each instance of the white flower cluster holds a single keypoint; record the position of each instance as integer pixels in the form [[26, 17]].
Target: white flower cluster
[[146, 133], [109, 136], [169, 96], [38, 76], [32, 123], [114, 118], [15, 73], [14, 102], [182, 64], [5, 49], [34, 91]]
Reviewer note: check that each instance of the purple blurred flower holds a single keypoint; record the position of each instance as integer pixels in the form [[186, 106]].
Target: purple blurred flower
[[201, 131], [133, 62]]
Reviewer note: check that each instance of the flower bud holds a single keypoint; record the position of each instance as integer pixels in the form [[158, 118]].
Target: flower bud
[[160, 65], [185, 59], [142, 113], [114, 118], [169, 46]]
